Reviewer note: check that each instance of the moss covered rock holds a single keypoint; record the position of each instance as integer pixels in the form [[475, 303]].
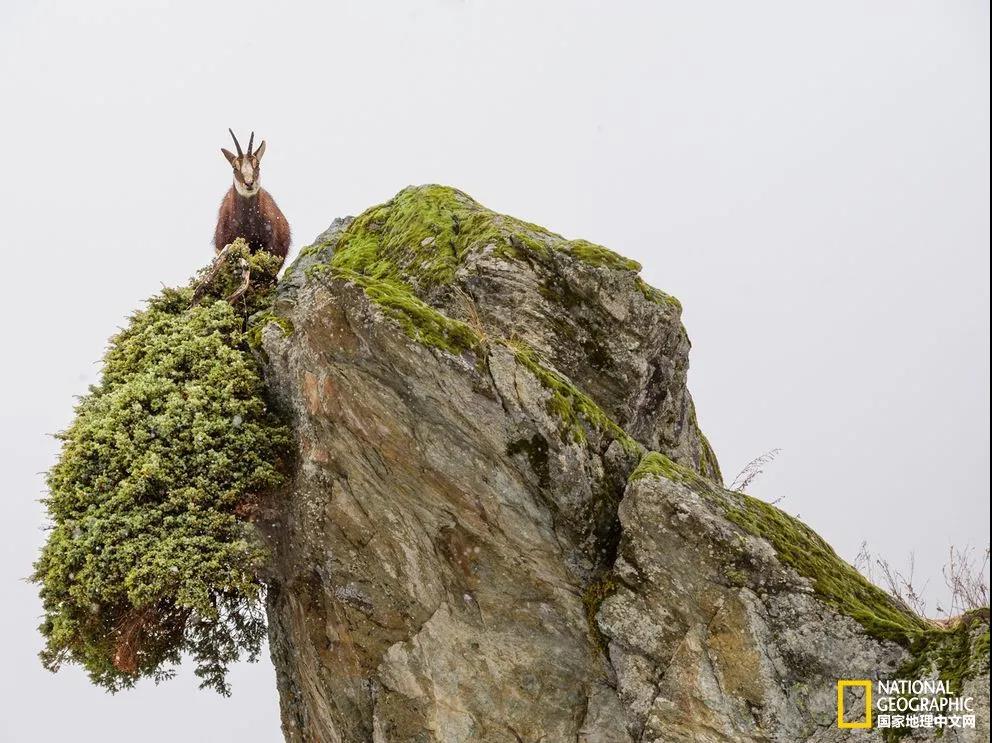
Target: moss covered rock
[[476, 534], [733, 619], [458, 276]]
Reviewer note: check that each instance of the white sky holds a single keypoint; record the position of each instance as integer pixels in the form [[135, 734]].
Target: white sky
[[810, 179]]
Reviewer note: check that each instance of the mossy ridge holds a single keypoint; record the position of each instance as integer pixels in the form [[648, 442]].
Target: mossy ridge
[[419, 320], [836, 582], [954, 654], [148, 557], [657, 296], [420, 238], [655, 464], [571, 406], [600, 257]]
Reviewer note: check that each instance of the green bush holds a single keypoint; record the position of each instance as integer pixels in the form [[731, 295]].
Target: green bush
[[150, 554]]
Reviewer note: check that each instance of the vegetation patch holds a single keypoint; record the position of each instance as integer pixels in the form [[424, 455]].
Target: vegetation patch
[[954, 654], [598, 590], [655, 464], [419, 237], [259, 322], [571, 406], [402, 250], [835, 581], [149, 554], [657, 296], [600, 257], [418, 319]]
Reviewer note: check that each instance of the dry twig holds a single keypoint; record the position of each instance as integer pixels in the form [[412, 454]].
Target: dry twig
[[752, 470]]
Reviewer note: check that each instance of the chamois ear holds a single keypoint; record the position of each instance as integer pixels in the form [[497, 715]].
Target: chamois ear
[[260, 151], [231, 157]]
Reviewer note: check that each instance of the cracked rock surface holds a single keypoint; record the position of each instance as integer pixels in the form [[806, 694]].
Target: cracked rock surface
[[454, 561]]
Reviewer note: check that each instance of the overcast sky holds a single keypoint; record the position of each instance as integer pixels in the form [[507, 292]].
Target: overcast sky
[[810, 179]]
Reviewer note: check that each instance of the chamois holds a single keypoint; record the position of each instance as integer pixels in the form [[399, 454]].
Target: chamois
[[248, 210]]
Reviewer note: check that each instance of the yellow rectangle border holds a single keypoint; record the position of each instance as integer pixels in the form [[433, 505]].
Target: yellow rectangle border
[[844, 684]]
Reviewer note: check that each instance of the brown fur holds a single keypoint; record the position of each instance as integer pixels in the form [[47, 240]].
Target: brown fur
[[255, 218]]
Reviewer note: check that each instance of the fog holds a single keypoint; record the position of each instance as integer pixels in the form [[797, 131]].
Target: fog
[[811, 180]]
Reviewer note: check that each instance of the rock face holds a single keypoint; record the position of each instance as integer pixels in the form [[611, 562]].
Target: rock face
[[476, 545]]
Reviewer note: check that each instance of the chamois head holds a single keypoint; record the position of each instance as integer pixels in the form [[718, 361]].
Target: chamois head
[[246, 165]]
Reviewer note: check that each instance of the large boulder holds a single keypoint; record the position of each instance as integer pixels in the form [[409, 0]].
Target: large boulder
[[504, 523]]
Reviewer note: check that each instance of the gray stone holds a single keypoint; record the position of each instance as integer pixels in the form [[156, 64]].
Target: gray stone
[[450, 563]]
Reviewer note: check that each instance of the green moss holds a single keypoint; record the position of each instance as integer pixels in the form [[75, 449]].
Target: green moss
[[311, 250], [573, 408], [736, 577], [403, 250], [655, 464], [259, 322], [598, 590], [954, 654], [419, 320], [528, 243], [419, 237], [600, 257], [147, 557], [657, 296], [834, 580]]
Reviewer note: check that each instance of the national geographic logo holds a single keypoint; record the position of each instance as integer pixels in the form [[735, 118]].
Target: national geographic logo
[[902, 704]]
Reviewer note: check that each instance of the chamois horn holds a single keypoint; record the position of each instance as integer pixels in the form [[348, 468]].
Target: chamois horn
[[237, 144], [250, 140]]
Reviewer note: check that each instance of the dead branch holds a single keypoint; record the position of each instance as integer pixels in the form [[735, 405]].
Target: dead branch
[[244, 283], [965, 577], [215, 267], [752, 470]]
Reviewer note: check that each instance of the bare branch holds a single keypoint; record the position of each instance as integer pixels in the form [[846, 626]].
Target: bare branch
[[244, 284], [965, 575], [966, 578], [752, 470], [211, 274]]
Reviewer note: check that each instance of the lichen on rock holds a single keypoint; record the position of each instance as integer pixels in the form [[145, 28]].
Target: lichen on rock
[[150, 554]]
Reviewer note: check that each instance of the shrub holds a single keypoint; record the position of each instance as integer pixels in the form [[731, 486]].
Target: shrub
[[149, 555]]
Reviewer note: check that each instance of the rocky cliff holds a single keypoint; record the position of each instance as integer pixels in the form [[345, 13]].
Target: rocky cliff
[[505, 524]]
